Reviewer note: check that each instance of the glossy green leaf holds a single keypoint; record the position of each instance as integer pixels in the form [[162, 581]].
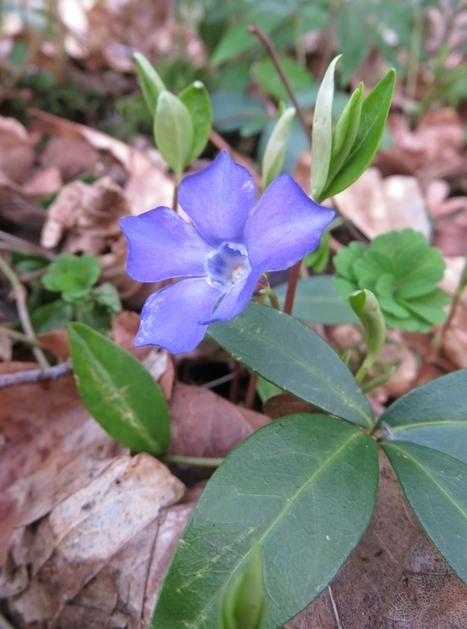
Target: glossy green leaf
[[434, 415], [287, 353], [435, 485], [316, 300], [150, 82], [173, 131], [119, 392], [196, 99], [237, 39], [375, 110], [304, 487], [274, 154], [345, 132], [321, 145]]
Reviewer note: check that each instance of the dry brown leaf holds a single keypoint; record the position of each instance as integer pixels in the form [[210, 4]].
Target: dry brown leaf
[[43, 426], [16, 151], [286, 404], [204, 424], [72, 156], [376, 205], [89, 560], [148, 185], [394, 579]]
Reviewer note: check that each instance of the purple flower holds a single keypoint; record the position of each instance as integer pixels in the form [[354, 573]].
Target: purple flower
[[223, 256]]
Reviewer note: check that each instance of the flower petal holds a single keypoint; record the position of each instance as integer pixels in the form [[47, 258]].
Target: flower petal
[[161, 245], [285, 226], [170, 316], [219, 199], [235, 300]]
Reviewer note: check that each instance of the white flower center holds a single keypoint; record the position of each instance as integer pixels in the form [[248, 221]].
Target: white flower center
[[227, 265]]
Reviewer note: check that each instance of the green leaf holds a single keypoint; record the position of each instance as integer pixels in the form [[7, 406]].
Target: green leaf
[[304, 487], [345, 132], [71, 275], [321, 145], [119, 392], [274, 154], [48, 317], [434, 415], [317, 301], [266, 76], [293, 357], [173, 131], [266, 389], [237, 39], [375, 110], [435, 486], [196, 99], [233, 109], [150, 82], [106, 295]]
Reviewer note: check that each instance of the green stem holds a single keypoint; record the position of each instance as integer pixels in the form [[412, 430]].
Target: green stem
[[17, 336], [21, 304], [175, 195], [364, 368], [268, 292], [192, 460]]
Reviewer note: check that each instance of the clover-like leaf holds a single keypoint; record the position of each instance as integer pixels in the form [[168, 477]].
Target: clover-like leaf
[[402, 269], [73, 276]]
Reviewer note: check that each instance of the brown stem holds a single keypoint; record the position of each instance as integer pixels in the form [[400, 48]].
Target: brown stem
[[175, 196], [35, 375], [292, 287], [254, 29], [251, 391]]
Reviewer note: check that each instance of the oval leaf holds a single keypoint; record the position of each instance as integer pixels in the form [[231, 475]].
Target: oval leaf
[[435, 486], [321, 144], [150, 82], [196, 99], [173, 131], [316, 300], [274, 153], [375, 110], [304, 488], [287, 353], [119, 392], [434, 415]]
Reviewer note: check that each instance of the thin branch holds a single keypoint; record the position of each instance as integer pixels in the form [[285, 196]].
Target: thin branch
[[294, 274], [334, 608], [251, 391], [254, 29], [30, 376], [192, 460], [21, 303], [18, 336]]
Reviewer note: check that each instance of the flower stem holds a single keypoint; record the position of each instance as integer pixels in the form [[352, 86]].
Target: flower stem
[[254, 29], [21, 303], [192, 460], [175, 195], [292, 287]]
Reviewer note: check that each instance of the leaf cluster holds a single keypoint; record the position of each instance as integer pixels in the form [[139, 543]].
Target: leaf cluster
[[75, 278], [402, 270], [181, 123]]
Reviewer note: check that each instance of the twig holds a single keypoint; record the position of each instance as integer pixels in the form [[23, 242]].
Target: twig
[[18, 336], [30, 376], [254, 29], [4, 623], [25, 245], [251, 391], [334, 608], [21, 304]]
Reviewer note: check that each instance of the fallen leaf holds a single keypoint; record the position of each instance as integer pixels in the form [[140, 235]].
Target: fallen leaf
[[376, 205], [71, 155], [90, 557], [16, 151], [204, 424]]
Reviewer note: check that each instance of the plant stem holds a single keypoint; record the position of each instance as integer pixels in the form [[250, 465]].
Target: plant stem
[[292, 287], [251, 391], [192, 460], [21, 303], [29, 376], [18, 336], [254, 29], [175, 195]]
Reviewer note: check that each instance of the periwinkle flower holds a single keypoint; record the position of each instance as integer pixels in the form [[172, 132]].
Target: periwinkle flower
[[221, 257]]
